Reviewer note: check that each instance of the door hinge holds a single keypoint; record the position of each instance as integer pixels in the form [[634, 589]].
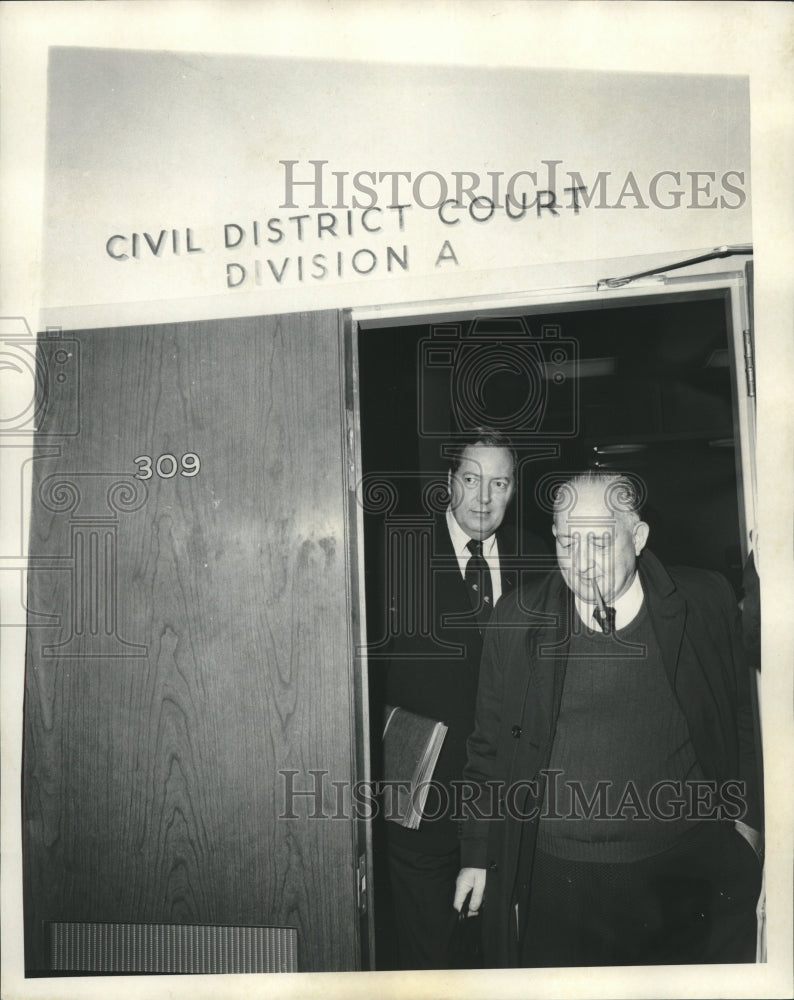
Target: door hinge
[[749, 362], [361, 883]]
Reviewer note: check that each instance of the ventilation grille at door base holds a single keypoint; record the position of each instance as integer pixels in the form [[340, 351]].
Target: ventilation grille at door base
[[171, 948]]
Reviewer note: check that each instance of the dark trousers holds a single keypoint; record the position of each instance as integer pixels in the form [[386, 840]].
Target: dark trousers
[[429, 935], [691, 904]]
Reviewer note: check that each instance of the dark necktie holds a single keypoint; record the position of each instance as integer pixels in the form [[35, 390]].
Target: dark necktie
[[478, 580], [607, 622]]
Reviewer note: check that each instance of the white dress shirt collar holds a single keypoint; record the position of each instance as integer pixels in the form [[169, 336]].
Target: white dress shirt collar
[[490, 550], [627, 606], [460, 540]]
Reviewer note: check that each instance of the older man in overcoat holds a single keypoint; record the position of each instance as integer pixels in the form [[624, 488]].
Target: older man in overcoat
[[615, 816]]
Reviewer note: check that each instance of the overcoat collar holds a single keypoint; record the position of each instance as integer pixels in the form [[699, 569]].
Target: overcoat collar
[[667, 610]]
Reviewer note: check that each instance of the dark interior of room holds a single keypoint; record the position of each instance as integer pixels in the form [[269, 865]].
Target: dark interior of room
[[646, 388]]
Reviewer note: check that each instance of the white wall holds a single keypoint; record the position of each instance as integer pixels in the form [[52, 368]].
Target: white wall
[[146, 142]]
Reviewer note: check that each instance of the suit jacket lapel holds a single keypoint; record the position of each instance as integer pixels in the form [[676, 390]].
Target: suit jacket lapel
[[455, 593], [453, 604], [506, 549]]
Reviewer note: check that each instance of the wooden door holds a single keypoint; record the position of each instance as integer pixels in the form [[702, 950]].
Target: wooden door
[[189, 532]]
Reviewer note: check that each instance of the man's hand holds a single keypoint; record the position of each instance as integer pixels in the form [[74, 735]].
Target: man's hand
[[470, 880]]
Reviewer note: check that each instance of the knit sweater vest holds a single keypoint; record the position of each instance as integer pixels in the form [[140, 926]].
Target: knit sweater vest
[[621, 758]]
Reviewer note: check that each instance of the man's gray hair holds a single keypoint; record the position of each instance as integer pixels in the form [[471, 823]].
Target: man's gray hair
[[624, 493]]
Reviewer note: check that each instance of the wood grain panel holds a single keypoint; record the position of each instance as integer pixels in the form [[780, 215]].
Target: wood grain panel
[[152, 752]]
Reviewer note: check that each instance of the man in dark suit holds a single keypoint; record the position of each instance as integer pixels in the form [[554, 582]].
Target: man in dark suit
[[434, 673], [614, 718]]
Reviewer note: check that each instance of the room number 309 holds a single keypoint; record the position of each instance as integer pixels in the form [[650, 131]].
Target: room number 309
[[167, 466]]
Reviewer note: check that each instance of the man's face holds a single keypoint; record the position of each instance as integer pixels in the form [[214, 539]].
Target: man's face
[[481, 488], [596, 545]]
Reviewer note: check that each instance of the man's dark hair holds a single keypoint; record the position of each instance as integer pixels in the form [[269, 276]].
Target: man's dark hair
[[483, 436]]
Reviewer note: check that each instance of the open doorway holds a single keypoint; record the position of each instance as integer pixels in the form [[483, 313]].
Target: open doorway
[[652, 384]]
